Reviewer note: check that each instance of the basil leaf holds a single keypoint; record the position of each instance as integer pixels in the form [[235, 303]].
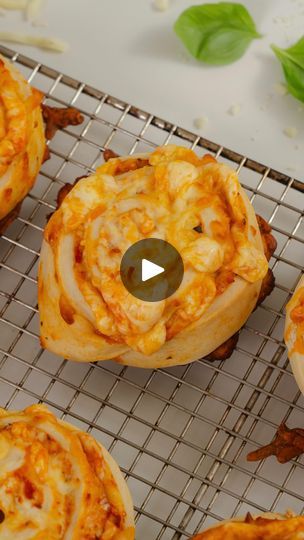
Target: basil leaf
[[216, 33], [292, 60]]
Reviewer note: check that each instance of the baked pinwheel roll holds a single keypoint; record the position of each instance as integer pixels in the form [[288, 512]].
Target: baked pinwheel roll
[[195, 204], [294, 333], [58, 483], [265, 527], [22, 139]]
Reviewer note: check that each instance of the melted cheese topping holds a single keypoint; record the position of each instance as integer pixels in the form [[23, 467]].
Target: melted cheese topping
[[294, 334], [260, 529], [54, 482], [193, 203], [22, 141]]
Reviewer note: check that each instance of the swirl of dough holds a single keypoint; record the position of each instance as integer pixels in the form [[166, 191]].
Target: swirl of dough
[[265, 527], [294, 333], [22, 139], [57, 482], [294, 330], [196, 204]]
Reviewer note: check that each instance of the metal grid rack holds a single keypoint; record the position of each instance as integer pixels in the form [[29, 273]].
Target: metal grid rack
[[181, 435]]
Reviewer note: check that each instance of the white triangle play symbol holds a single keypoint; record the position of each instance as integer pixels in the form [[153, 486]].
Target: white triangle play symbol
[[150, 269]]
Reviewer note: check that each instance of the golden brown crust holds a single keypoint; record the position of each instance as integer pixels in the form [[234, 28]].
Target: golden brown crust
[[58, 118], [294, 331], [224, 351], [267, 287], [266, 527], [47, 154], [7, 220], [286, 445], [62, 193], [269, 242], [57, 462], [22, 140], [109, 154], [65, 190]]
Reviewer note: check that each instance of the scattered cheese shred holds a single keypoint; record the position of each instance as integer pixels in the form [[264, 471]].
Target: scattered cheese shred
[[13, 4], [51, 44], [161, 5], [33, 10], [200, 122], [39, 24], [281, 89], [290, 132], [234, 110]]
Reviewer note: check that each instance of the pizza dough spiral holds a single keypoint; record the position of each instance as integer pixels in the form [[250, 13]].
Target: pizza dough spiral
[[266, 527], [294, 333], [22, 139], [58, 483], [197, 205]]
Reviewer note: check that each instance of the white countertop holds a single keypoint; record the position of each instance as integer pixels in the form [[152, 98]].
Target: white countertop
[[128, 49]]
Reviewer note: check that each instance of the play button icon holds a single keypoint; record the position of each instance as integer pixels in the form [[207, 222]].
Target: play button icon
[[152, 270], [149, 270]]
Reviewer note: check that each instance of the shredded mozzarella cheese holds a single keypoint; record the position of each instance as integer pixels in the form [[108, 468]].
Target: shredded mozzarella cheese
[[280, 89], [48, 43], [33, 10], [290, 132], [234, 110], [161, 5], [200, 122], [13, 4]]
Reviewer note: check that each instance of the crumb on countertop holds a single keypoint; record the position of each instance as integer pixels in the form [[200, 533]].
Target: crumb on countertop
[[39, 24], [33, 10], [291, 132], [282, 19], [234, 110], [280, 89], [161, 5], [200, 122], [17, 5]]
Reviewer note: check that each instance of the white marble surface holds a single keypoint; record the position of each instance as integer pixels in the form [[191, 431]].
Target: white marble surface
[[128, 49]]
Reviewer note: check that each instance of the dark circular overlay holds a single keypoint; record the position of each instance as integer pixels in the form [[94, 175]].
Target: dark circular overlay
[[158, 287]]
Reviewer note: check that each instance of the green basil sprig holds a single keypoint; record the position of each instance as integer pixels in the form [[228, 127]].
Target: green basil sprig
[[292, 60], [216, 33]]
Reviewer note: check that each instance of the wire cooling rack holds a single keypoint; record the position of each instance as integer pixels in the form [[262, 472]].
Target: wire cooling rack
[[180, 435]]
